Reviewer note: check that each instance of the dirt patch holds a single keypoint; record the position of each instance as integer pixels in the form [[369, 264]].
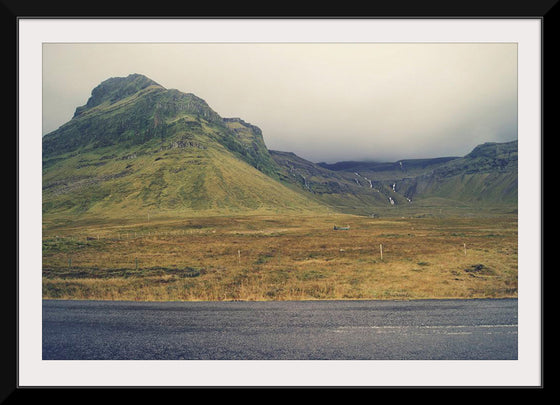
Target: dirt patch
[[479, 269]]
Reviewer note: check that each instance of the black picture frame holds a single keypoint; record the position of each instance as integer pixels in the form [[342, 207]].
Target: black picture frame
[[12, 10]]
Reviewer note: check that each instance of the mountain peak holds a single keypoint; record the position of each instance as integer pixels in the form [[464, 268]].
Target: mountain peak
[[115, 89]]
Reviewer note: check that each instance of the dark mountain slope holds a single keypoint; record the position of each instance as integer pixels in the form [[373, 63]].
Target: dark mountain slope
[[391, 170], [485, 177]]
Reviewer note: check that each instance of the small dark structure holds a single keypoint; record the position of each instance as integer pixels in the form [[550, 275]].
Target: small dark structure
[[341, 228]]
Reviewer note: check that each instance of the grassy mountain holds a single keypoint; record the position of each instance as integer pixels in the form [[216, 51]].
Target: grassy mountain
[[136, 147]]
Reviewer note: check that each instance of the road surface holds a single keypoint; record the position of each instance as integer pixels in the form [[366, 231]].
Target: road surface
[[293, 330]]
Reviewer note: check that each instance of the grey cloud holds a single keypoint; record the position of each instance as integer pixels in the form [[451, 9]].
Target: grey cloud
[[324, 102]]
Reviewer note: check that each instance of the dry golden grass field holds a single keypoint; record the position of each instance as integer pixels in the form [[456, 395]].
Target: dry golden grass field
[[282, 258]]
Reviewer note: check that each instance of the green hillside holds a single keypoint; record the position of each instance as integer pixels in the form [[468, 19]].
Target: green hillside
[[487, 176], [136, 148]]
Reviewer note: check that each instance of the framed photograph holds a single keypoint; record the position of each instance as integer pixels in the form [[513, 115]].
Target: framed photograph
[[279, 202]]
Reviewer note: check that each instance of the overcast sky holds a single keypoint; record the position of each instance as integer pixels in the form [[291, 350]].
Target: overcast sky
[[324, 102]]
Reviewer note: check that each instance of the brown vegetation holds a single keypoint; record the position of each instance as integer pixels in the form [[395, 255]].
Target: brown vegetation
[[282, 258]]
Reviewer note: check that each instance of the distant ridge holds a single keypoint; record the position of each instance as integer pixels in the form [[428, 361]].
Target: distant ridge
[[486, 177], [410, 164]]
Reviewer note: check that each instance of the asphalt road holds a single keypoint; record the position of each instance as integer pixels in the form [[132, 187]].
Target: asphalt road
[[307, 330]]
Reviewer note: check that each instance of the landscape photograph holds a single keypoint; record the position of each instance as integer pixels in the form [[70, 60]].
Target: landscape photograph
[[150, 194], [275, 212]]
